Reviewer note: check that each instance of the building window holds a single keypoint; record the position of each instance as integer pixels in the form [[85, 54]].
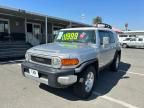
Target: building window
[[4, 26], [36, 29], [29, 28]]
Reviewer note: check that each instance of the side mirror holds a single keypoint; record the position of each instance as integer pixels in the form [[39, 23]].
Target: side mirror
[[105, 40]]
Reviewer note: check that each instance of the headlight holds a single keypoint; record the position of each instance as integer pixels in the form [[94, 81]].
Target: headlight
[[56, 62], [27, 57]]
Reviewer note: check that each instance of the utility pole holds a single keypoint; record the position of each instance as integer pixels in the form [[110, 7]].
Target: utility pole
[[126, 26]]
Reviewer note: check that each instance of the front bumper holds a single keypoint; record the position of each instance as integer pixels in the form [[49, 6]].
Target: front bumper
[[57, 78]]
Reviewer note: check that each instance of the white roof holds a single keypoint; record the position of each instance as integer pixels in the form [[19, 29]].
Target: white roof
[[88, 28], [136, 31]]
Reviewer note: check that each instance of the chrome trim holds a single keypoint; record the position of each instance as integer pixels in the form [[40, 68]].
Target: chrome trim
[[67, 80], [42, 56]]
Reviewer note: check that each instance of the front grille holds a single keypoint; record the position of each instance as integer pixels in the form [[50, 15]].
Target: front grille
[[41, 60]]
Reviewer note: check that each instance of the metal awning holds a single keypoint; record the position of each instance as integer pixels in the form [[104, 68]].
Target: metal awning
[[36, 16]]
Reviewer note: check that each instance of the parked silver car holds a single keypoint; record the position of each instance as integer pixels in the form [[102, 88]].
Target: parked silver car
[[74, 59]]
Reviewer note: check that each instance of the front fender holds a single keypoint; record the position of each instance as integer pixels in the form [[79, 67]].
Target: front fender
[[85, 64]]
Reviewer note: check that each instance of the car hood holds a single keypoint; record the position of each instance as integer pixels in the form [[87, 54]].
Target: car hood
[[63, 48], [83, 51]]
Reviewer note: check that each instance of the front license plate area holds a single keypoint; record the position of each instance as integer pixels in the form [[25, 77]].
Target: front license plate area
[[33, 73]]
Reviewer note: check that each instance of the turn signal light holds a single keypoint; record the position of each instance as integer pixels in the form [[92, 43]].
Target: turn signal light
[[69, 62]]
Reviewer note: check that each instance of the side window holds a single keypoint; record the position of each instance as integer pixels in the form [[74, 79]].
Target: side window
[[133, 40], [112, 37], [106, 34], [93, 37], [132, 35], [102, 34], [123, 36], [140, 39]]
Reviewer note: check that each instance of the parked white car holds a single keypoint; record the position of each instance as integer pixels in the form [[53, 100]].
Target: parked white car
[[134, 42], [123, 37]]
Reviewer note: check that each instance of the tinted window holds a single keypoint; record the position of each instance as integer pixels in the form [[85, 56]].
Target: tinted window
[[106, 34], [140, 39], [127, 39], [103, 34], [133, 40], [132, 35], [123, 36], [112, 38]]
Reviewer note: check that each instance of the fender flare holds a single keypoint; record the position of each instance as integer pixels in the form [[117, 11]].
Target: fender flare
[[85, 64]]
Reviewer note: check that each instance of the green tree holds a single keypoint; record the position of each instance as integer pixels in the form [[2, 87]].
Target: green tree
[[97, 20]]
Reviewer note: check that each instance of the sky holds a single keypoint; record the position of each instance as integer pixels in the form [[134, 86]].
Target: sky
[[113, 12]]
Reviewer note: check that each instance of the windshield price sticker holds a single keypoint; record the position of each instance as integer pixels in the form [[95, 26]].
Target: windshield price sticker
[[60, 35], [70, 36]]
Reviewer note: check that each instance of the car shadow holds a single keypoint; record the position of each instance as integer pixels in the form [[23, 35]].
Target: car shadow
[[108, 80], [11, 61], [105, 83]]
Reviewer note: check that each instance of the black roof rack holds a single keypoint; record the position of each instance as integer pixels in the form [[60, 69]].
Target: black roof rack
[[104, 25]]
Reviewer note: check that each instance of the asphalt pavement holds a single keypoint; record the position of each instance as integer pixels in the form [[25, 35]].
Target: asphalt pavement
[[123, 89]]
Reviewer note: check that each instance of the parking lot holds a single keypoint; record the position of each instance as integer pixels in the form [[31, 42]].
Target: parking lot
[[123, 89]]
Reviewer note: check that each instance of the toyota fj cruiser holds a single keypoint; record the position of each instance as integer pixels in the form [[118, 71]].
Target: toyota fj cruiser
[[74, 59]]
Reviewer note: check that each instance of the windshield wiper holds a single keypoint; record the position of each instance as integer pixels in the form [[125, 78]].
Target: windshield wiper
[[78, 41]]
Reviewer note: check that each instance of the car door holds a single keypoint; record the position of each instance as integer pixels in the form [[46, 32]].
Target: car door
[[140, 42], [112, 43], [105, 51], [132, 43]]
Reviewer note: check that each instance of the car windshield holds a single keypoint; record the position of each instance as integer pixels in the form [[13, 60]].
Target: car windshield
[[80, 36]]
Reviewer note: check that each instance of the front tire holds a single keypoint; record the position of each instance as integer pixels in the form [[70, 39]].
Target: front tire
[[84, 87]]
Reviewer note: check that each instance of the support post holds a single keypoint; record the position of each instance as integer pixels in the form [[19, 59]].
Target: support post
[[25, 23], [70, 24], [46, 30]]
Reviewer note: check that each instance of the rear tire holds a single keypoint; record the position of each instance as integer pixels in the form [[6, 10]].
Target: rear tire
[[115, 64], [86, 81], [124, 45]]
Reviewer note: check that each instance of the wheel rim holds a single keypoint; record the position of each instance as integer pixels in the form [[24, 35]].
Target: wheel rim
[[117, 62], [89, 82], [124, 45]]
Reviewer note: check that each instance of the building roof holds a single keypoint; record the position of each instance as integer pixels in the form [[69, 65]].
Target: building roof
[[36, 16], [136, 31]]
